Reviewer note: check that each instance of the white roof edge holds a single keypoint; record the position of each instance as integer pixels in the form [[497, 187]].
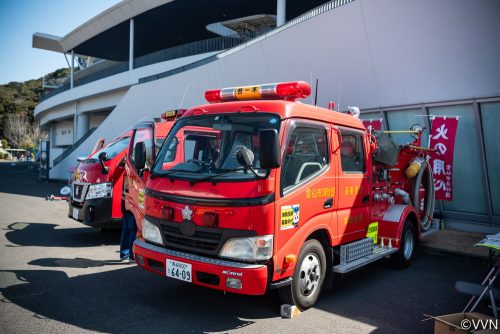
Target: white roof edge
[[47, 42], [111, 17]]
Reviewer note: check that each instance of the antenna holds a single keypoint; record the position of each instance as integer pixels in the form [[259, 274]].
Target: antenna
[[316, 93], [184, 96]]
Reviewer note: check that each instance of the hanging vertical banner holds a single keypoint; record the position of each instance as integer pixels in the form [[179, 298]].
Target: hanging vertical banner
[[373, 124], [442, 140]]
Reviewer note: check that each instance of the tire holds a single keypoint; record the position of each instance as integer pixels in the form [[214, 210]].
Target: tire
[[308, 277], [402, 259]]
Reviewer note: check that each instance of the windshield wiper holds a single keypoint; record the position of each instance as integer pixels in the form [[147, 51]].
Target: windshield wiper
[[168, 172], [203, 179]]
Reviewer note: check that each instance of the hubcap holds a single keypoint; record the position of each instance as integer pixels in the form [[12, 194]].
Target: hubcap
[[310, 274], [408, 247]]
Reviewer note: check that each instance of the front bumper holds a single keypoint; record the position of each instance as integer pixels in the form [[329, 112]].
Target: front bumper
[[94, 212], [206, 271]]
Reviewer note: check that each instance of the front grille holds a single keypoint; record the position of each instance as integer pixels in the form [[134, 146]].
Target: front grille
[[77, 191], [207, 239]]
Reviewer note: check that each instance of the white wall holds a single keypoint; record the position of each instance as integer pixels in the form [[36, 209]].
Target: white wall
[[63, 134], [367, 53], [96, 120]]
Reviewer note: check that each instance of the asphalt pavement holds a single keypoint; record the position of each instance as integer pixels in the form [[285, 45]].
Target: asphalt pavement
[[58, 276]]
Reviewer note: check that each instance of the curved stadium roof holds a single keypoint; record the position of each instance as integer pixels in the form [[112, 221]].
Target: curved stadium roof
[[159, 24]]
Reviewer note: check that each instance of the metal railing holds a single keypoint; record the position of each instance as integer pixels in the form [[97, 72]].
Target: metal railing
[[73, 147], [191, 49]]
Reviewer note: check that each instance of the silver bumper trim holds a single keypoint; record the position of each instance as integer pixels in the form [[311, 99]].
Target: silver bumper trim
[[196, 258]]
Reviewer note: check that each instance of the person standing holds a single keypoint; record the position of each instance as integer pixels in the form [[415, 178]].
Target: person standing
[[129, 231]]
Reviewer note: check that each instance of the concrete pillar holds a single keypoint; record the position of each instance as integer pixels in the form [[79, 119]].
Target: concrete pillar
[[131, 46], [72, 70], [280, 13], [82, 125]]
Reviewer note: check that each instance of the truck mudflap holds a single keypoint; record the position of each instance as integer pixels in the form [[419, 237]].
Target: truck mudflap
[[235, 277]]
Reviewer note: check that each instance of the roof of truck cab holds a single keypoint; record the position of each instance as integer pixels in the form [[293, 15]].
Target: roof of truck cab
[[163, 128], [285, 109]]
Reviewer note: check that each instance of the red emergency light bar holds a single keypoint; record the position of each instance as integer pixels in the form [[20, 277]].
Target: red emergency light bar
[[281, 90]]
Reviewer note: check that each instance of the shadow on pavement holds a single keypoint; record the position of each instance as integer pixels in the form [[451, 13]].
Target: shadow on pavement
[[47, 235], [131, 300], [21, 178], [395, 300]]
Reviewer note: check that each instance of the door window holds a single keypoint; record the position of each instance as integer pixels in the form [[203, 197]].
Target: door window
[[306, 154], [352, 152], [143, 135]]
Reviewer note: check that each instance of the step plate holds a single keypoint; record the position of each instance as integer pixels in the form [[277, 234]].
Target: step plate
[[378, 253]]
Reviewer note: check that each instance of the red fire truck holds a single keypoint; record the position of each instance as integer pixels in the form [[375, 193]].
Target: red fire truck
[[97, 184], [274, 194]]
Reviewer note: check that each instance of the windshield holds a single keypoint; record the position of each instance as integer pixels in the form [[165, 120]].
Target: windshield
[[113, 148], [202, 147]]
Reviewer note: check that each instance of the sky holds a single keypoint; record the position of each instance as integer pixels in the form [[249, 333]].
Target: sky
[[20, 19]]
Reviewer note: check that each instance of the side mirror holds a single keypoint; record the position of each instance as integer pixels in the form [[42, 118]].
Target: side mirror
[[245, 157], [103, 156], [140, 156], [269, 149]]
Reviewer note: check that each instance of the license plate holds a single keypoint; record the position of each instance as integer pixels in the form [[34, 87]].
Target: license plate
[[179, 270], [75, 213]]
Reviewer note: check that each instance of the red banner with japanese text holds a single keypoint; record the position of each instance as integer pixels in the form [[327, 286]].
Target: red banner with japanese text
[[373, 124], [442, 141]]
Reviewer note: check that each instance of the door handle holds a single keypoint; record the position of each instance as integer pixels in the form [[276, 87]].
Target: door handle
[[328, 203]]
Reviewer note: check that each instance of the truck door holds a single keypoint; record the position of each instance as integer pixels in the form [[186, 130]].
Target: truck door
[[354, 185], [135, 185], [307, 186]]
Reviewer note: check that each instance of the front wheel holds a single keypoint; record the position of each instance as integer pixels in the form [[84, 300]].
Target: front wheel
[[403, 257], [308, 277]]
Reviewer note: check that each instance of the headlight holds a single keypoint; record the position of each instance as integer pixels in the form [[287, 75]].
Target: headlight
[[254, 248], [150, 232], [99, 190]]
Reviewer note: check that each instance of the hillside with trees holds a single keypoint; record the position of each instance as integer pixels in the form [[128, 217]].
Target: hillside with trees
[[17, 102]]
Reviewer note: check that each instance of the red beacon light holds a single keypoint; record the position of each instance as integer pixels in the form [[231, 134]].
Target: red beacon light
[[289, 91]]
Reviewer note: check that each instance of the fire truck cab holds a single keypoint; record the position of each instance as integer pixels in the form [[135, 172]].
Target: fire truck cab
[[97, 182], [278, 195]]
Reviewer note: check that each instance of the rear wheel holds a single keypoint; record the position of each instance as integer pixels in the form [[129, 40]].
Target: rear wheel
[[403, 257], [308, 277]]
